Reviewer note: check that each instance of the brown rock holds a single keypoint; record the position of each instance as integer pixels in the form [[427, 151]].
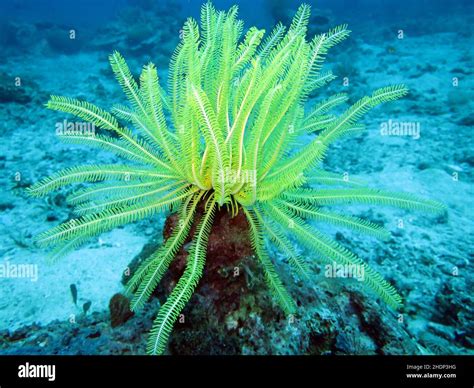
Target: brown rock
[[227, 256], [119, 307]]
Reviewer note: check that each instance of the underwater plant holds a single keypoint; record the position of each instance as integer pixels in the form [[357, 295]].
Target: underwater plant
[[226, 135]]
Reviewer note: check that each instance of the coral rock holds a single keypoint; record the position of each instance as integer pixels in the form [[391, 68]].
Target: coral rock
[[119, 307]]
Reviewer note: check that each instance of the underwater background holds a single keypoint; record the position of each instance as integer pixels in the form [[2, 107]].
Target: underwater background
[[71, 307]]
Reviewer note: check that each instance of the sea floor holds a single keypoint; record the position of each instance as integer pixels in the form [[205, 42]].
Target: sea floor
[[428, 259]]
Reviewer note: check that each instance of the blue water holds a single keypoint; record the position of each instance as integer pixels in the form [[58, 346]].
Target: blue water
[[88, 17], [91, 13]]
